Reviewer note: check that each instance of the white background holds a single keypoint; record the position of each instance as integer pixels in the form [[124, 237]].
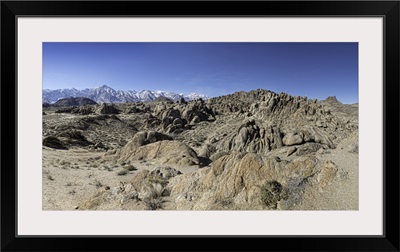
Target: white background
[[32, 32]]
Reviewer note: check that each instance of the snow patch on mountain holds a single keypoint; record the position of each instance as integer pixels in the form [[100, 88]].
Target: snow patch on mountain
[[106, 94]]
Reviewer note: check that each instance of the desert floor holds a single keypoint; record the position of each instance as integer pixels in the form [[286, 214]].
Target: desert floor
[[273, 152]]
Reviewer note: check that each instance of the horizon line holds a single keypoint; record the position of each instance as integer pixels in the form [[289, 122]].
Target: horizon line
[[199, 93]]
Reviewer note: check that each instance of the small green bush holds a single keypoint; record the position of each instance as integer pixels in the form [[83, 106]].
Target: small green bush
[[271, 194]]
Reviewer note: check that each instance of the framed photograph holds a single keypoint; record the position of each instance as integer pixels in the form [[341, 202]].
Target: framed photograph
[[250, 126]]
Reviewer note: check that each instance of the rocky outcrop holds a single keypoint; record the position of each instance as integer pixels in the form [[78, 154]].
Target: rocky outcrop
[[251, 137], [64, 110], [142, 138], [54, 142], [106, 109], [163, 99], [175, 118], [292, 138], [163, 152], [307, 134], [132, 110], [171, 120], [73, 138], [83, 110], [272, 121], [197, 111], [249, 181], [347, 112], [74, 101]]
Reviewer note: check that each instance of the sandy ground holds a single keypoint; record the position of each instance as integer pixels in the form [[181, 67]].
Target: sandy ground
[[343, 193], [72, 176]]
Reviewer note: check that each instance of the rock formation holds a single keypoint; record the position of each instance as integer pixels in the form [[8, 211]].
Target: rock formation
[[255, 150], [73, 101]]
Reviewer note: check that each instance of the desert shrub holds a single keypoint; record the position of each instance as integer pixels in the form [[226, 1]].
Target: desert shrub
[[154, 190], [98, 183], [63, 162], [293, 192], [154, 203], [156, 179], [130, 168], [354, 148], [154, 194], [108, 168], [225, 202], [342, 174], [271, 194], [48, 175]]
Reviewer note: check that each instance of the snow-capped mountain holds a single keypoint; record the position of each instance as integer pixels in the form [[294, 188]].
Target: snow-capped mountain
[[108, 95]]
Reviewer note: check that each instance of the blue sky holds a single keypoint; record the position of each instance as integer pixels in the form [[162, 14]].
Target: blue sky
[[308, 69]]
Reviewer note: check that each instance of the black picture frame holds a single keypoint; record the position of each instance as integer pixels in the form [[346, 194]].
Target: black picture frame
[[10, 10]]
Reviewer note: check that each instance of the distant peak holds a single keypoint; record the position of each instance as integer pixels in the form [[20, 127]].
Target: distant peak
[[332, 99], [107, 94], [105, 86]]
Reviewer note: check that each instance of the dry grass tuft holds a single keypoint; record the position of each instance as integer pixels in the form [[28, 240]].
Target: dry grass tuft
[[154, 196]]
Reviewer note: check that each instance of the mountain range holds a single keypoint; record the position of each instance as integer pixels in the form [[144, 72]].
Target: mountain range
[[106, 94]]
